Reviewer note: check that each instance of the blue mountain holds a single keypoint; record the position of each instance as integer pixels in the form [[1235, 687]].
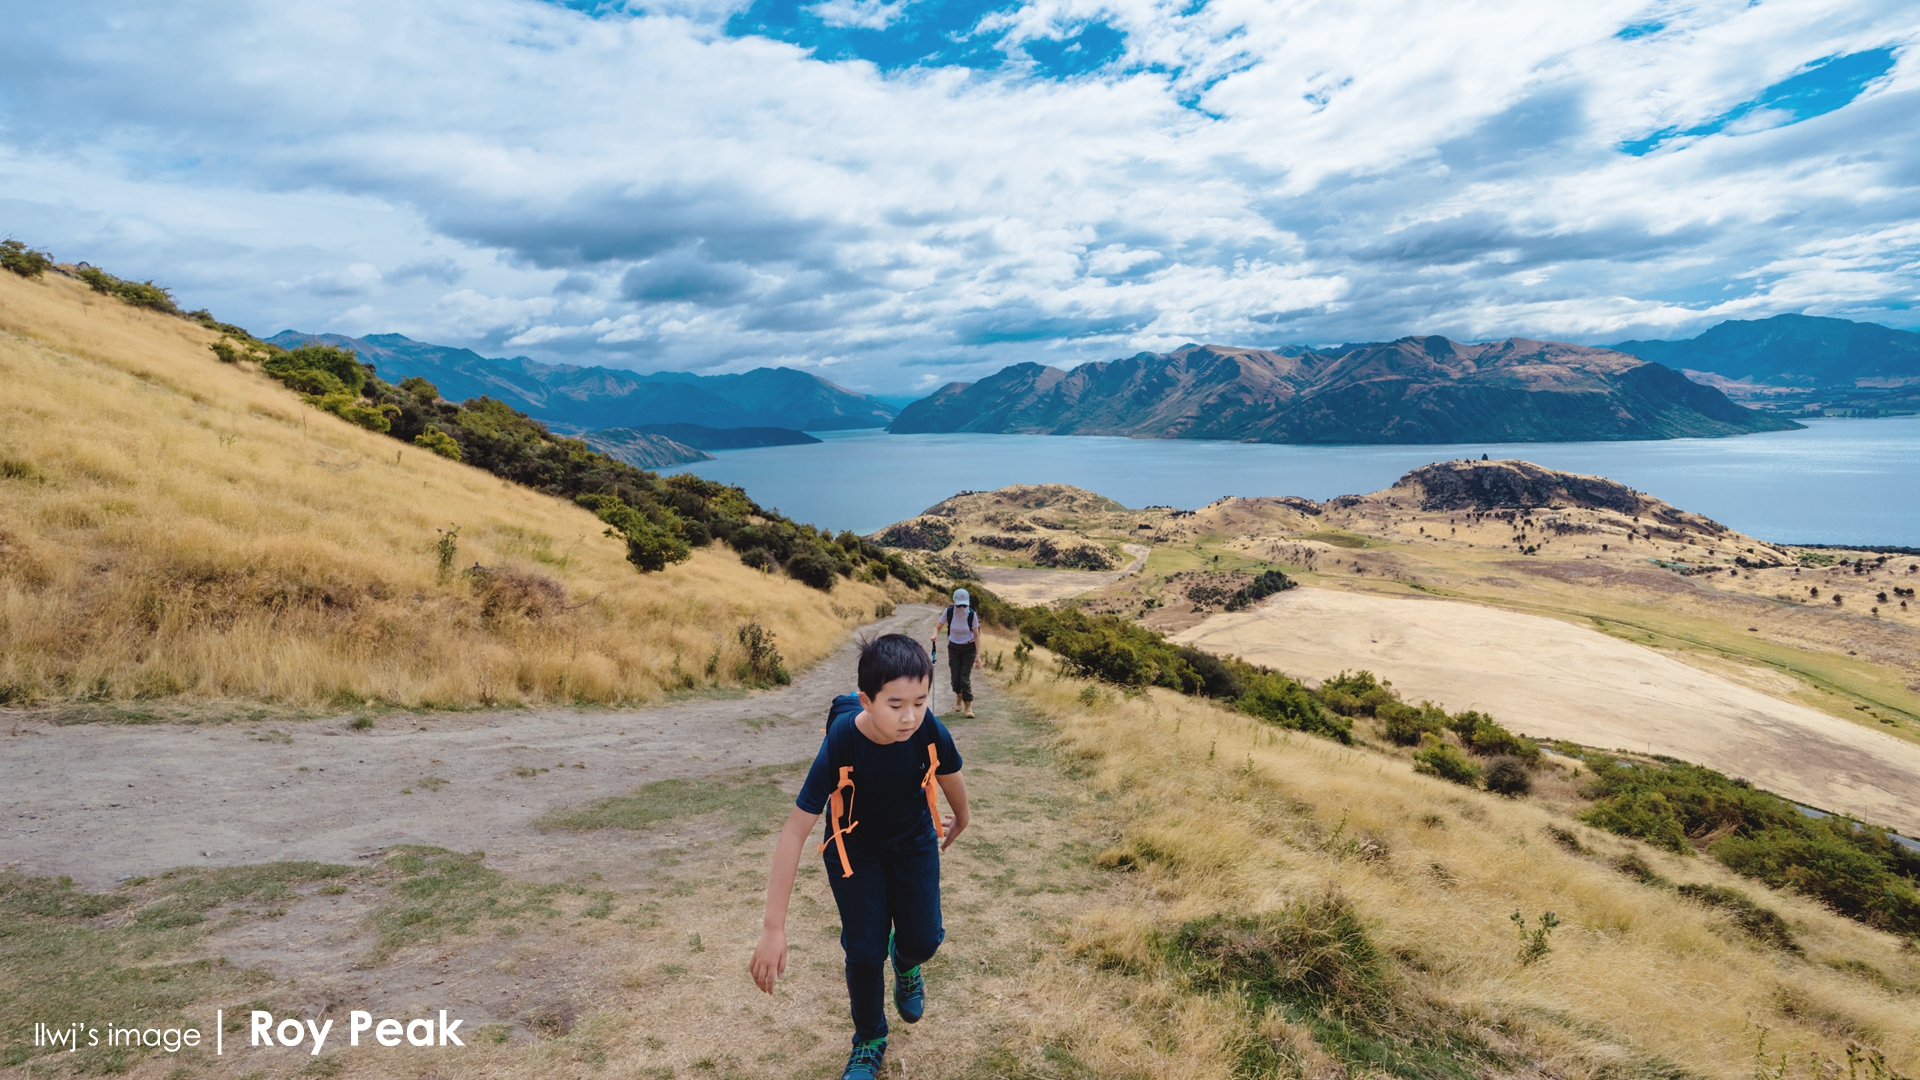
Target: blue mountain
[[576, 399]]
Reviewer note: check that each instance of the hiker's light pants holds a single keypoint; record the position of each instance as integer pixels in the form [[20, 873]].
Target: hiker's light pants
[[960, 663], [893, 888]]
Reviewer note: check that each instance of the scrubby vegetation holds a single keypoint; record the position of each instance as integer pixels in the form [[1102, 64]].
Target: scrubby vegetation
[[23, 260], [222, 542], [138, 293], [661, 520], [1119, 651], [1854, 868], [1265, 584], [1296, 910]]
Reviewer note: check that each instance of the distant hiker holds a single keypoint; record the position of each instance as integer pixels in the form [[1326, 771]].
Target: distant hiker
[[884, 867], [963, 647]]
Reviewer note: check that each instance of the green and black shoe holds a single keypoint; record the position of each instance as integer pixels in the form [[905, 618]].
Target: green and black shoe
[[866, 1059], [909, 989]]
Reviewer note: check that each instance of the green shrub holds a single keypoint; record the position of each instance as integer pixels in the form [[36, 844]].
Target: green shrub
[[439, 442], [23, 260], [347, 407], [1856, 869], [420, 388], [1406, 725], [318, 369], [763, 664], [225, 350], [1534, 943], [650, 546], [1358, 694], [811, 567], [1264, 585], [1508, 776], [1484, 737], [1444, 760], [138, 293], [1277, 699]]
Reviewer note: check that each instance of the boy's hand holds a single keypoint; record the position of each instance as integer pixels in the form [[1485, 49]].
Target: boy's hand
[[953, 826], [769, 959]]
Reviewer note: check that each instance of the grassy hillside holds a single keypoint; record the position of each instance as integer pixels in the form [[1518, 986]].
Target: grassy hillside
[[175, 527], [1301, 908]]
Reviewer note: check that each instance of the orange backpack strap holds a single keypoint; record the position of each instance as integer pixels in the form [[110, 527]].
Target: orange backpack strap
[[932, 788], [836, 811]]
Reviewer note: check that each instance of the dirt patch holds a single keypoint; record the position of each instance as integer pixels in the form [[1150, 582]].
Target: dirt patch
[[1553, 679], [631, 959], [100, 803], [1045, 586]]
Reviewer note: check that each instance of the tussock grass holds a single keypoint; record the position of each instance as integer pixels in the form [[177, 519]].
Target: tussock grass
[[1306, 908], [172, 527]]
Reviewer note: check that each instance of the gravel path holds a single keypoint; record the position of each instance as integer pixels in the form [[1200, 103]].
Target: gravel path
[[100, 802]]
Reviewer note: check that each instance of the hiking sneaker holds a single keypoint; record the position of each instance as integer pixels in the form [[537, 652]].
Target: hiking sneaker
[[909, 989], [864, 1064]]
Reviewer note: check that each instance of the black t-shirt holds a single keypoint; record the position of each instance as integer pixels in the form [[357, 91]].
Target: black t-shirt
[[888, 801]]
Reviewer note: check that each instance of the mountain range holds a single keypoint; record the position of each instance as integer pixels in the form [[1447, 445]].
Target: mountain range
[[1801, 363], [580, 399], [1413, 390]]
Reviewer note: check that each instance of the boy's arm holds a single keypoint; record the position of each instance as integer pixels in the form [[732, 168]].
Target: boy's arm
[[770, 955], [955, 789]]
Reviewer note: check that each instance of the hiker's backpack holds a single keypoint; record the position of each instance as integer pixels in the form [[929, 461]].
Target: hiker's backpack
[[840, 819], [973, 623]]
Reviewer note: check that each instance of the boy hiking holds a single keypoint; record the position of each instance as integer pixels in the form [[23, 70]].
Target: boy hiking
[[884, 864], [963, 647]]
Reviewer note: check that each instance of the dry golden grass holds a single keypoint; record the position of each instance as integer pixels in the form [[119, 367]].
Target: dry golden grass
[[1229, 816], [174, 527]]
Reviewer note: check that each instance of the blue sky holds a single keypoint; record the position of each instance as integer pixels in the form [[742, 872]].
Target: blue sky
[[895, 193]]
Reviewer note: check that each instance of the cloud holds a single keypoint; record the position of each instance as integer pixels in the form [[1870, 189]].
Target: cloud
[[951, 185]]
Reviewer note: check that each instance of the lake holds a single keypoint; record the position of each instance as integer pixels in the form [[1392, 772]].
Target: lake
[[1836, 482]]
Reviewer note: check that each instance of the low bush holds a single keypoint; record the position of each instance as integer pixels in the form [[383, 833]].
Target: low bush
[[23, 260], [1479, 734], [1310, 959], [650, 546], [1444, 760], [1508, 776], [810, 567], [1117, 650], [1854, 868], [1277, 699], [762, 664], [1358, 694], [138, 293], [439, 442], [1407, 725]]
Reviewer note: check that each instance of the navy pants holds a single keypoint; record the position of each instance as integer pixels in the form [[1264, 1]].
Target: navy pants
[[895, 887]]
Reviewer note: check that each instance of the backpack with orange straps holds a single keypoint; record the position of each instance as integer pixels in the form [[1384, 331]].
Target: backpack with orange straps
[[840, 820]]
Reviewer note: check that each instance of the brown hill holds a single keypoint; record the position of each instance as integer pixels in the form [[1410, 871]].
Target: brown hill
[[1414, 390]]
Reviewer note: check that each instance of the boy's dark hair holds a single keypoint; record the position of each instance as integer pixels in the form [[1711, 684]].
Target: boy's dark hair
[[889, 657]]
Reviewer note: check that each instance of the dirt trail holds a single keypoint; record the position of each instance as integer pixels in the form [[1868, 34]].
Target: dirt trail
[[100, 802], [1552, 679], [1020, 586], [654, 982]]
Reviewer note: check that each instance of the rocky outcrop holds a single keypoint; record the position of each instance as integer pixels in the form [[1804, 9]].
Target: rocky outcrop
[[1481, 486]]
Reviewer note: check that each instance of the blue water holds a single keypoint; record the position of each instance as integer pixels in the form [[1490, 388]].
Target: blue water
[[1836, 482]]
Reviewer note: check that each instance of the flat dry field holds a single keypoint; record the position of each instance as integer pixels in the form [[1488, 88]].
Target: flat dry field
[[1555, 679], [1021, 586]]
